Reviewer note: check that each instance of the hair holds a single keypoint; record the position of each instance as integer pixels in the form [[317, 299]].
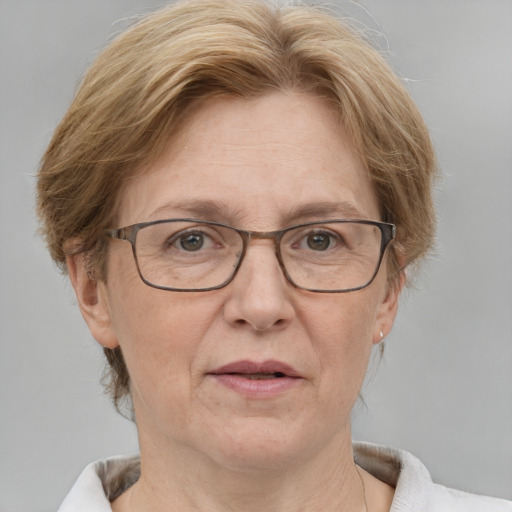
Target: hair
[[144, 85]]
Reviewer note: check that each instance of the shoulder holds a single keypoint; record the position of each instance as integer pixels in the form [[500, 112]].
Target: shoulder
[[443, 499], [101, 482], [414, 489]]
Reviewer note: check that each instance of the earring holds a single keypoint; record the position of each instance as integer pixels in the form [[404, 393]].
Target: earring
[[381, 334]]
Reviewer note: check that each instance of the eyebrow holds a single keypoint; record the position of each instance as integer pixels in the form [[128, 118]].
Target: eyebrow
[[204, 209], [322, 210], [222, 212]]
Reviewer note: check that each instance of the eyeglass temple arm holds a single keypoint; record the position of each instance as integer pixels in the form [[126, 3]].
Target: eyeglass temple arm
[[118, 234]]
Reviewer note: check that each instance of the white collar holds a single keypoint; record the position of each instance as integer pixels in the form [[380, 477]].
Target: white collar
[[415, 491]]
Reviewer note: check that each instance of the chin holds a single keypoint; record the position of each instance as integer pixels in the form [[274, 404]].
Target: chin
[[263, 444]]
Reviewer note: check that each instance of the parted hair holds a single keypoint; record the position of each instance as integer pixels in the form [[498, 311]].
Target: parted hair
[[142, 87]]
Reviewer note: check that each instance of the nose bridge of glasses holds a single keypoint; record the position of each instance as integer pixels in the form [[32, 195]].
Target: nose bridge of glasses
[[272, 236]]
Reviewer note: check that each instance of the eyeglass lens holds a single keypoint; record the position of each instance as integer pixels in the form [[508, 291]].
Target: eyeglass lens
[[326, 256]]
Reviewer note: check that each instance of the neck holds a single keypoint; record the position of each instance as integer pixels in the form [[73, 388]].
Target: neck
[[325, 481]]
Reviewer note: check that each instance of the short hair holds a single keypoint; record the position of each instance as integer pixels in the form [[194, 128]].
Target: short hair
[[139, 91]]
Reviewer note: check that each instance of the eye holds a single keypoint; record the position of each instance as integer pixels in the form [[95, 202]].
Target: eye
[[191, 241], [319, 241]]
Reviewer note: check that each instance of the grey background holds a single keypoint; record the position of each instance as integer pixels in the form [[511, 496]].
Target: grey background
[[444, 389]]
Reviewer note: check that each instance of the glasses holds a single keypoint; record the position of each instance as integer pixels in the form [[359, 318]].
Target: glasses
[[190, 255]]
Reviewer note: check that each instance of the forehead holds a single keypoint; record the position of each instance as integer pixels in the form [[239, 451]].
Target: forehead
[[255, 164]]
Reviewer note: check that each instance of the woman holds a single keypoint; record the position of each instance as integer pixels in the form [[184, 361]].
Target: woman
[[236, 193]]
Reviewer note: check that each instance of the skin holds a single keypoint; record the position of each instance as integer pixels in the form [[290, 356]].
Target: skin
[[203, 445]]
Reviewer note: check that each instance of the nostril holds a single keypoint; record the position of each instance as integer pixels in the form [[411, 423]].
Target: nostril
[[261, 325]]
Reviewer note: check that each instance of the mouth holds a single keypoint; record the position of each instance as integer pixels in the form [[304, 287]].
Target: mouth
[[257, 380], [260, 376], [258, 371]]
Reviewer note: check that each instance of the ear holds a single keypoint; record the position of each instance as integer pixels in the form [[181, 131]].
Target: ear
[[388, 308], [92, 299]]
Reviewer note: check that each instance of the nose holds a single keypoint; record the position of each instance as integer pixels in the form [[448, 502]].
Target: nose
[[260, 295]]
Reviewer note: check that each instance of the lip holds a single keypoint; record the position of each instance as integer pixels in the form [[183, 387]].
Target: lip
[[235, 377], [245, 367]]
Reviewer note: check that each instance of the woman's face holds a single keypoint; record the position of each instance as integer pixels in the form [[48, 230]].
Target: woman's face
[[260, 165]]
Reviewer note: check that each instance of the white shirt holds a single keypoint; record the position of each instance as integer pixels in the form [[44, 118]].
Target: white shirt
[[414, 489]]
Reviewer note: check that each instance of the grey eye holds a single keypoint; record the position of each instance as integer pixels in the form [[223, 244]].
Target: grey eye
[[191, 241], [319, 241]]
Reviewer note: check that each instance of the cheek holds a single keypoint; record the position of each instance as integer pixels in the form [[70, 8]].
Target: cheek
[[342, 321], [160, 327], [162, 336], [341, 328]]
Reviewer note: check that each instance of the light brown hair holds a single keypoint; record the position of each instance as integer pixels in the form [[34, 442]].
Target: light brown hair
[[139, 90]]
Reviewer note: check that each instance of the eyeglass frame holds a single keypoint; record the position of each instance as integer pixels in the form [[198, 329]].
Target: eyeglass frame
[[129, 234]]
